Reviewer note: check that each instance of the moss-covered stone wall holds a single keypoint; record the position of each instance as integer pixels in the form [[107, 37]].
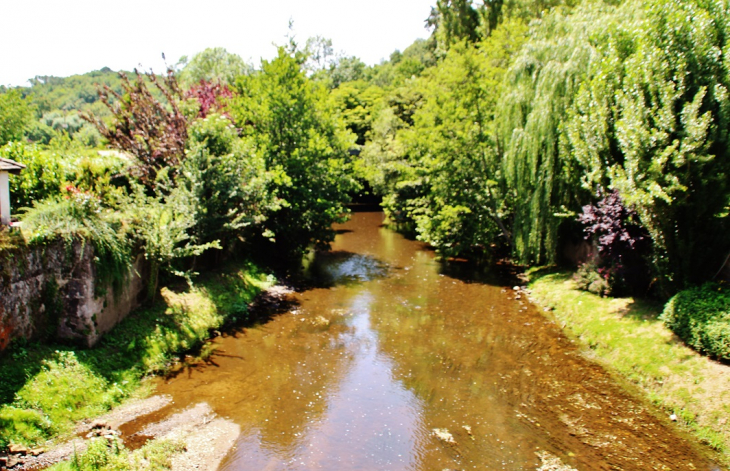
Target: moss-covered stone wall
[[48, 291]]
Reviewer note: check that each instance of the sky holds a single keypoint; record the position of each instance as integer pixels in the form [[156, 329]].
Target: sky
[[66, 37]]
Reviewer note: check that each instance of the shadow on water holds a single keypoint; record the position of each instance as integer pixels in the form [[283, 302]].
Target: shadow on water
[[326, 269], [264, 308], [497, 274]]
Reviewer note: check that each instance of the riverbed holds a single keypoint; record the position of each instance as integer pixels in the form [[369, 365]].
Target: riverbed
[[393, 360]]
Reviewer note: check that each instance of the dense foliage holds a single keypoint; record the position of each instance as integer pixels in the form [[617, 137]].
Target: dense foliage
[[622, 245], [516, 128], [292, 124], [152, 131], [526, 114], [182, 181], [16, 114], [486, 139], [701, 317], [213, 65]]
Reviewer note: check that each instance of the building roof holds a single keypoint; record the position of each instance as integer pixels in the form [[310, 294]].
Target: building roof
[[11, 166]]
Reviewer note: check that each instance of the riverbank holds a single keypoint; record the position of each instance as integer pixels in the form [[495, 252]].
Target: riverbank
[[626, 336], [47, 389]]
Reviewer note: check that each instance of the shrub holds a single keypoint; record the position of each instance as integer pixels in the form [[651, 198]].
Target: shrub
[[622, 245], [51, 168], [43, 177], [151, 130], [701, 317], [593, 279], [210, 96], [80, 216]]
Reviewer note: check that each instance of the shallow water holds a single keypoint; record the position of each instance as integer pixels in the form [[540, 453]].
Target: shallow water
[[394, 361]]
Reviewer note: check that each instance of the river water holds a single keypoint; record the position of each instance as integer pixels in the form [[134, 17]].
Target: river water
[[395, 361]]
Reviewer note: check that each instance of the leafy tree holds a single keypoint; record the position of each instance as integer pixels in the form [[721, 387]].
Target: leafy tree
[[384, 156], [230, 192], [453, 21], [153, 132], [403, 66], [653, 124], [214, 64], [293, 125], [319, 53], [16, 114], [162, 224], [527, 10], [346, 69], [358, 102], [465, 210]]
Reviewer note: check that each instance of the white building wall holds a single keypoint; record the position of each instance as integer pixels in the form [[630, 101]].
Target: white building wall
[[4, 198]]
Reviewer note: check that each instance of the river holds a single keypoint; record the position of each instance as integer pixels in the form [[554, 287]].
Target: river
[[391, 360]]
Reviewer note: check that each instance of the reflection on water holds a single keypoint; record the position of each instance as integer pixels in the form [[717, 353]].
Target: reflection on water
[[369, 410], [341, 267], [394, 362]]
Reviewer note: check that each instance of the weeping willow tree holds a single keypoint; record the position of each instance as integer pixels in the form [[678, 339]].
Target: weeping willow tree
[[653, 123], [541, 86]]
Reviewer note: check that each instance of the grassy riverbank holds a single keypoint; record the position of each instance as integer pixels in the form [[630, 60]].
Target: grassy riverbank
[[626, 335], [45, 389]]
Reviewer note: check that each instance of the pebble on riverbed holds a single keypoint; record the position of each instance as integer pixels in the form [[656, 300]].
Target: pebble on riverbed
[[17, 455], [102, 429], [444, 435], [551, 462]]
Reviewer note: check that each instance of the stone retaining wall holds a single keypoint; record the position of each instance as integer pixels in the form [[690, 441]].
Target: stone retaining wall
[[48, 292]]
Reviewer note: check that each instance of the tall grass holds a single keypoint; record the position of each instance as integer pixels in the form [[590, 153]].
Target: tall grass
[[79, 216]]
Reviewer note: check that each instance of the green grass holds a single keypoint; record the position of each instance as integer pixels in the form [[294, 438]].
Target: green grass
[[45, 389], [111, 455], [626, 335], [10, 239]]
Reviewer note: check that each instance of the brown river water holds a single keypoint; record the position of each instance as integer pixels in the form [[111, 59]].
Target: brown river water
[[395, 361]]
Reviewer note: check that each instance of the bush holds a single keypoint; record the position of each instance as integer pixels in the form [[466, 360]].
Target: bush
[[49, 169], [43, 177], [593, 279], [701, 317], [623, 245]]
